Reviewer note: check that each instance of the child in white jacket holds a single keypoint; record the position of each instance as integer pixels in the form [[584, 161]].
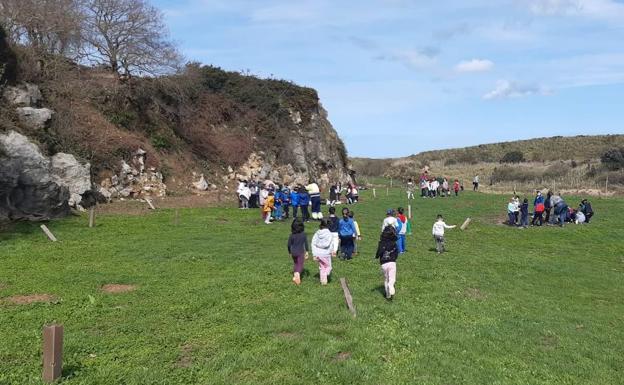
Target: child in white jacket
[[323, 250], [438, 233]]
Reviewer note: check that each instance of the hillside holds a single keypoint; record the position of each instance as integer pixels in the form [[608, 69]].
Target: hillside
[[199, 129], [567, 162]]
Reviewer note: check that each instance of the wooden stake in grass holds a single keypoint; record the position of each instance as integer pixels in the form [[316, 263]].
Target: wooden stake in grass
[[347, 295], [48, 233], [92, 217], [52, 352], [466, 223], [176, 217], [409, 211], [374, 193], [387, 191], [151, 205]]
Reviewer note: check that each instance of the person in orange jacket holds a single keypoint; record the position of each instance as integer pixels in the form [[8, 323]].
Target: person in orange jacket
[[269, 205]]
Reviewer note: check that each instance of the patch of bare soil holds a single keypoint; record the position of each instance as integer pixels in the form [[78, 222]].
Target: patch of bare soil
[[113, 288], [3, 286], [288, 335], [185, 360], [549, 342], [139, 207], [342, 356], [31, 298], [475, 294]]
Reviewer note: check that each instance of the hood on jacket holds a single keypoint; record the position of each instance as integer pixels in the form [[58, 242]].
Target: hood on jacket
[[389, 234], [323, 239]]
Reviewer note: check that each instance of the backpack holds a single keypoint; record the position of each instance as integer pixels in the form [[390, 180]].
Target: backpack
[[539, 208], [387, 255]]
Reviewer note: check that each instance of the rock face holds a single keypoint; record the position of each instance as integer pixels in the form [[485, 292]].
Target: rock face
[[34, 118], [314, 151], [134, 181], [28, 189], [67, 171], [23, 95]]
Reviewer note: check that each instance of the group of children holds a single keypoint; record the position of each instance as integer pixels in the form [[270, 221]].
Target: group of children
[[276, 201], [336, 234], [551, 210], [431, 187]]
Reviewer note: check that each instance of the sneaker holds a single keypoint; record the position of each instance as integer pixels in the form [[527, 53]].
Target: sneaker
[[391, 291]]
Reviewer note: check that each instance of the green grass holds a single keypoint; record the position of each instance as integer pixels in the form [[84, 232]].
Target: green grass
[[215, 304]]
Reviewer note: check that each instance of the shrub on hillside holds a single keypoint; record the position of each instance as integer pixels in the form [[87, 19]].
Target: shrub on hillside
[[513, 157], [514, 174], [613, 159]]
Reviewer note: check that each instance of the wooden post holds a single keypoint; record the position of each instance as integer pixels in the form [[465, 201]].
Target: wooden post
[[466, 223], [48, 233], [390, 182], [92, 217], [409, 211], [607, 185], [151, 205], [52, 352], [387, 191], [176, 217], [347, 295], [374, 193]]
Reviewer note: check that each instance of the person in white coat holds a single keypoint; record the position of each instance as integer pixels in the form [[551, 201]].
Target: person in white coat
[[438, 233]]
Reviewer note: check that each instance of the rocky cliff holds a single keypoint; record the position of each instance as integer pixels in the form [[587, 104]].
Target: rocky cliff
[[200, 129]]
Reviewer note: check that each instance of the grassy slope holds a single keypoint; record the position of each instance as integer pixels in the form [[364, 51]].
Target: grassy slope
[[503, 306]]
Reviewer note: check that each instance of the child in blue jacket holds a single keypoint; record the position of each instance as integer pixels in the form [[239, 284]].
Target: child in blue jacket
[[294, 201], [304, 202]]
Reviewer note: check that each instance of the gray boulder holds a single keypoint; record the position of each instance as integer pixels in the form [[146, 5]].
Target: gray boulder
[[28, 189], [68, 172], [34, 118], [27, 95]]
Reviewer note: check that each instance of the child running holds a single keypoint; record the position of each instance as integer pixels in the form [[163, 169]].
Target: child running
[[323, 250], [298, 249], [387, 253], [346, 232], [438, 233]]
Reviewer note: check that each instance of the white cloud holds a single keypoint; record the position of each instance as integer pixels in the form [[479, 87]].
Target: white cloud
[[414, 59], [506, 89], [474, 65]]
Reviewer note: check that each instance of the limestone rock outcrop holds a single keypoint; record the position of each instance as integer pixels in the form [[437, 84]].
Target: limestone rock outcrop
[[28, 188]]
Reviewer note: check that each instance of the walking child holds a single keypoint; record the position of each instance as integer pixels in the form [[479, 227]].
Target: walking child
[[387, 253], [456, 187], [294, 201], [358, 235], [298, 249], [438, 233], [322, 251], [347, 233], [402, 221], [332, 225]]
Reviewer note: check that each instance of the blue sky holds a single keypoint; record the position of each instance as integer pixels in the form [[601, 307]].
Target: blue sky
[[403, 76]]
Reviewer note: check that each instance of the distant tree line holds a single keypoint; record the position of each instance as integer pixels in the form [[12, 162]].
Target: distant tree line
[[125, 36]]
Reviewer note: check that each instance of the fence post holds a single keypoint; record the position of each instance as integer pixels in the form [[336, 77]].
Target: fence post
[[92, 217], [52, 352]]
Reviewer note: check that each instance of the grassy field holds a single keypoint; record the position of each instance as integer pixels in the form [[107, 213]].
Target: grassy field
[[214, 303]]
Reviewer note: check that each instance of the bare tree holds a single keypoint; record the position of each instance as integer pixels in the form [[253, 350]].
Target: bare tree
[[129, 37], [48, 26]]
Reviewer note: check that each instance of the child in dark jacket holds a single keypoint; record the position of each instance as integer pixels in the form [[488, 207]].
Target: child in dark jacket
[[304, 203], [524, 213], [332, 226], [387, 253], [298, 249]]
